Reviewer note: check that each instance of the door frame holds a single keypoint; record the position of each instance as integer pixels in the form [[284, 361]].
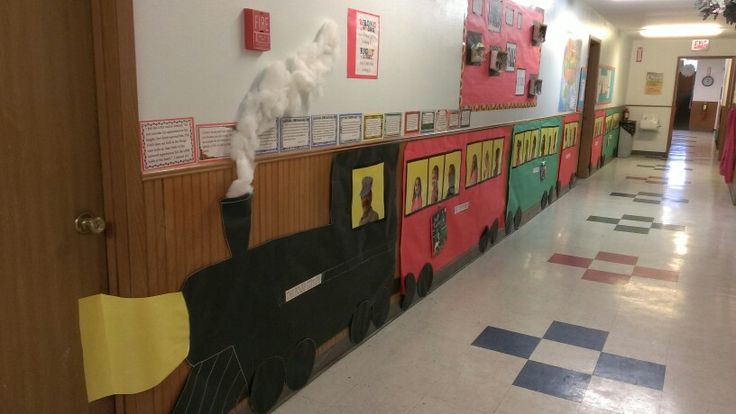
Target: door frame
[[117, 109], [729, 93], [589, 107]]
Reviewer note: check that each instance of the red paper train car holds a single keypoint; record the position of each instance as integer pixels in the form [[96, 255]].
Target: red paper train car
[[569, 151], [454, 199]]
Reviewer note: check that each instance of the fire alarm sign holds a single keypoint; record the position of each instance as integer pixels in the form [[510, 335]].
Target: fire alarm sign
[[257, 29]]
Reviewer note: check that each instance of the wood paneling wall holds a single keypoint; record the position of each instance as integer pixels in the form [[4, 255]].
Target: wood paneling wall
[[183, 232]]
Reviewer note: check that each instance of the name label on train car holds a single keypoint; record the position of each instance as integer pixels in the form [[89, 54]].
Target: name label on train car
[[303, 287], [535, 170], [567, 157], [462, 207]]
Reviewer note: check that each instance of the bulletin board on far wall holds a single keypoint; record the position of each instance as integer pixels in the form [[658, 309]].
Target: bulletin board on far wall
[[505, 29]]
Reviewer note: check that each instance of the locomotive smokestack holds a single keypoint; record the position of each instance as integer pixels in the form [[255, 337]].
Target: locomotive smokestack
[[236, 223]]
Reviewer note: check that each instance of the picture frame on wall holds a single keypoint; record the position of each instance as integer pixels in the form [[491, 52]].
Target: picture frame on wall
[[511, 57], [495, 15], [510, 17]]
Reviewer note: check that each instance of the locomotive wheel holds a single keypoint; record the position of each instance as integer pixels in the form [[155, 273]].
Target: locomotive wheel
[[551, 195], [558, 188], [410, 289], [509, 223], [482, 243], [381, 306], [426, 277], [300, 364], [601, 161], [268, 382], [361, 322], [544, 200], [517, 218], [573, 178], [494, 232]]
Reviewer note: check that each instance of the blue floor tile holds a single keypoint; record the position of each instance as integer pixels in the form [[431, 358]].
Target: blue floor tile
[[576, 335], [508, 342], [554, 381], [631, 371]]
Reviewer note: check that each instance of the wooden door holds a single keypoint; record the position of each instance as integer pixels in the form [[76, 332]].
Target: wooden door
[[50, 162], [591, 96]]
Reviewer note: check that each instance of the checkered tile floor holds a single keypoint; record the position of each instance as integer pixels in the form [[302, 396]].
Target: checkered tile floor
[[636, 224], [649, 198], [660, 167], [613, 268], [652, 179], [563, 362]]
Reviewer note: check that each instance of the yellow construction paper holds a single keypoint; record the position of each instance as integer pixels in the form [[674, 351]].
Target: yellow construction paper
[[131, 344]]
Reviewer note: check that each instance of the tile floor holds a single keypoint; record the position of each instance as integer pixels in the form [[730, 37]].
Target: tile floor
[[518, 332]]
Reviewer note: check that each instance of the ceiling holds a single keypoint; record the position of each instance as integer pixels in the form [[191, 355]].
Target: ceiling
[[631, 15]]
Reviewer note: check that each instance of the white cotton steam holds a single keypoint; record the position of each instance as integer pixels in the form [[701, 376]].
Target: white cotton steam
[[283, 88]]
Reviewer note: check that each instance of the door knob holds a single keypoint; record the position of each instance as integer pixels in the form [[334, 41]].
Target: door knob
[[87, 223]]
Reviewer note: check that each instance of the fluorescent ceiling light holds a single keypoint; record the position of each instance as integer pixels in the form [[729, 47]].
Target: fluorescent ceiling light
[[682, 30]]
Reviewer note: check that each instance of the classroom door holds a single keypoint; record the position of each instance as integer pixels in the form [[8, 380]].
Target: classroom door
[[51, 169], [591, 95]]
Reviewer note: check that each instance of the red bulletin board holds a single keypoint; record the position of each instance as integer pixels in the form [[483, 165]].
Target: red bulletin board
[[478, 90]]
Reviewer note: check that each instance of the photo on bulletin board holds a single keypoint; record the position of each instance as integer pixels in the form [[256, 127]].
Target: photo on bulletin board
[[451, 177], [416, 185], [511, 59], [606, 81], [517, 150], [473, 164], [436, 168], [495, 15], [497, 157], [368, 195], [518, 20], [487, 164], [509, 16], [439, 231]]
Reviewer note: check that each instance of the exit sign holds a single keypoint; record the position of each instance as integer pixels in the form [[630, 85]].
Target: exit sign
[[700, 44]]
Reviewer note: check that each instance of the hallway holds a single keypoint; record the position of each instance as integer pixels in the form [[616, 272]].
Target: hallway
[[617, 298]]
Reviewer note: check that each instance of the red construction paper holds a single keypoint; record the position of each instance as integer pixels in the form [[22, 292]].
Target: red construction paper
[[486, 203], [569, 156], [597, 146], [478, 90]]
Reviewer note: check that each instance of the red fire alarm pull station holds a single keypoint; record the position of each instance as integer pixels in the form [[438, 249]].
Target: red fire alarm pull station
[[257, 29]]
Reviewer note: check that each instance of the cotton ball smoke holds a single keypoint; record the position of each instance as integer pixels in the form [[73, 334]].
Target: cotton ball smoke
[[283, 88]]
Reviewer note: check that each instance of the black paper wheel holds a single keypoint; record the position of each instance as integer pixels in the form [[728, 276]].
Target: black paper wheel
[[551, 195], [509, 223], [494, 232], [483, 241], [426, 276], [268, 382], [361, 322], [300, 365], [381, 306], [517, 218], [544, 200], [410, 289]]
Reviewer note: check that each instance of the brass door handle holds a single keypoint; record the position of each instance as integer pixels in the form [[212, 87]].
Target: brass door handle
[[87, 223]]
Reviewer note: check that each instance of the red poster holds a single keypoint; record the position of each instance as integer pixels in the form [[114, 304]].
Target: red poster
[[498, 52], [363, 44]]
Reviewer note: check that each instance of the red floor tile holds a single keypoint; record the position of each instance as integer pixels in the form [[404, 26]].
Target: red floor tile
[[568, 260], [617, 258], [606, 277], [668, 275]]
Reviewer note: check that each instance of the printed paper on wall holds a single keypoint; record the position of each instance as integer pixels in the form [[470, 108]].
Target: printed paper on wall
[[363, 44]]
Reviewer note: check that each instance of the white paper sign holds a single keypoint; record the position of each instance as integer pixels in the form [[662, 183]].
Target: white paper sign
[[465, 118], [412, 122], [520, 81], [167, 143], [324, 130], [366, 44], [295, 133], [440, 123], [268, 141], [392, 124], [350, 128], [214, 141]]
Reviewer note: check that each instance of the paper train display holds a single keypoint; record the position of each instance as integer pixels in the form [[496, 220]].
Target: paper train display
[[596, 147], [256, 320], [610, 138]]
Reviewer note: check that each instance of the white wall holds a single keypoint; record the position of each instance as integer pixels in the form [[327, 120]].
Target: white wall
[[711, 93], [191, 62], [660, 55]]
